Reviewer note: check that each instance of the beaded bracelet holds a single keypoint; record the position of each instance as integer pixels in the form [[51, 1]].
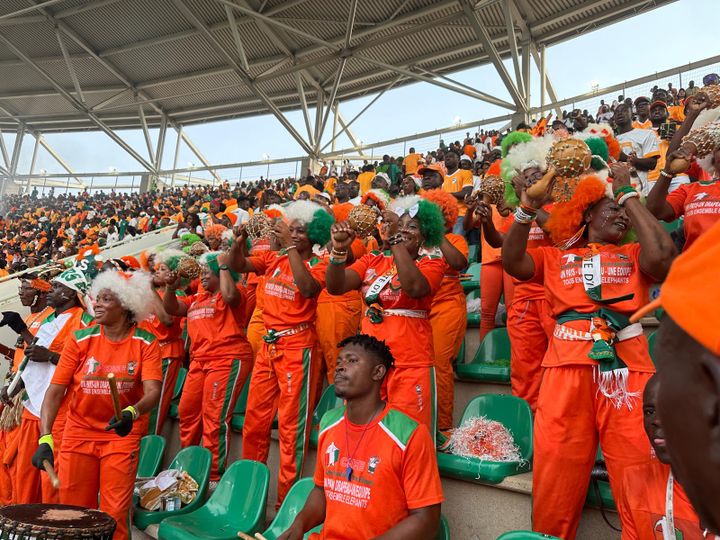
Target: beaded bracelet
[[622, 190], [631, 195], [666, 174], [338, 254], [521, 216]]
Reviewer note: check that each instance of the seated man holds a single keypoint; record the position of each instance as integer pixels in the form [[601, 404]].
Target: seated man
[[645, 492], [376, 473]]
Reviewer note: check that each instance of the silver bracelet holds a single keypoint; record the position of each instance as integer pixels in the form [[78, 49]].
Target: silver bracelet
[[666, 174], [523, 217]]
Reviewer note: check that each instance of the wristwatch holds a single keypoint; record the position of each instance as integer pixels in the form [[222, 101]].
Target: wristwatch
[[224, 267]]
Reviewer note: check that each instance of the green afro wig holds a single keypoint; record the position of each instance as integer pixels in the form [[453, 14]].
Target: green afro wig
[[599, 149], [513, 138], [432, 222], [318, 229], [189, 239]]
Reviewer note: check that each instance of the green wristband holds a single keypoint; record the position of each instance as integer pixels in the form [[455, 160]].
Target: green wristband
[[622, 190], [47, 439]]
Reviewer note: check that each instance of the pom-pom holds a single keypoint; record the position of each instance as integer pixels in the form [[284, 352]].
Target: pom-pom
[[484, 439], [566, 217], [318, 230], [513, 138], [189, 239], [447, 203], [599, 149]]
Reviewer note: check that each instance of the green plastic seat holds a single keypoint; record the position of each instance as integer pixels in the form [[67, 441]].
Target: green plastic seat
[[238, 418], [238, 504], [471, 278], [196, 462], [291, 506], [651, 345], [473, 320], [444, 532], [328, 401], [491, 362], [512, 412], [152, 449], [524, 535], [460, 358], [672, 226], [182, 375], [603, 495], [474, 252]]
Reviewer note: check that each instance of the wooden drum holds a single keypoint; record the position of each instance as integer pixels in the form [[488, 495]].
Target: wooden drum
[[54, 521]]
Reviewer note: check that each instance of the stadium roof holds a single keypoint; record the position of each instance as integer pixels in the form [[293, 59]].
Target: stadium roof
[[117, 64]]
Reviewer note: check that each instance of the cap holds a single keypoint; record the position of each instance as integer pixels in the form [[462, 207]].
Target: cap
[[641, 99], [658, 103], [465, 157], [695, 270], [436, 167]]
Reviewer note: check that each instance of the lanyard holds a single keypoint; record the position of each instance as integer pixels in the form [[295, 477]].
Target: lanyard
[[668, 522]]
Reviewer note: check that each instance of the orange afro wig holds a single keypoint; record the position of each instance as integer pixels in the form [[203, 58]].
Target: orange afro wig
[[341, 212], [566, 218], [447, 203], [214, 231]]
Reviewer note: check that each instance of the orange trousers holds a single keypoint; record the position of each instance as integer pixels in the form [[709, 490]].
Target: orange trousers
[[105, 467], [572, 417], [448, 319], [8, 454], [206, 406], [284, 380], [412, 390], [529, 327], [336, 320], [31, 484], [255, 332], [494, 283], [170, 371]]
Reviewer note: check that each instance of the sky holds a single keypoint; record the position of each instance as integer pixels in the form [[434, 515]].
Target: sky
[[679, 33]]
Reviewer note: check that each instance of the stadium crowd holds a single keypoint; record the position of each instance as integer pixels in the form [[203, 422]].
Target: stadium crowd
[[353, 277]]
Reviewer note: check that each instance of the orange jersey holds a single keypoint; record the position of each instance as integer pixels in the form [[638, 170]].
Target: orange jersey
[[283, 305], [411, 163], [699, 202], [565, 291], [88, 358], [394, 471], [395, 329], [533, 289], [450, 286], [458, 181], [647, 124], [33, 322], [644, 490], [365, 180], [216, 330], [169, 337]]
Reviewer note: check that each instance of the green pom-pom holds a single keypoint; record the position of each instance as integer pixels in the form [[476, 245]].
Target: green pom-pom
[[513, 138], [189, 239], [598, 147], [318, 230], [432, 223], [511, 199]]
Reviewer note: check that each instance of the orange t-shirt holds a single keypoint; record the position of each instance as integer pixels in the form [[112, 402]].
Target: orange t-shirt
[[365, 180], [533, 289], [643, 500], [450, 288], [699, 202], [169, 337], [411, 163], [306, 188], [457, 181], [395, 329], [647, 124], [86, 360], [469, 151], [216, 330], [394, 471], [564, 290], [33, 322], [283, 305]]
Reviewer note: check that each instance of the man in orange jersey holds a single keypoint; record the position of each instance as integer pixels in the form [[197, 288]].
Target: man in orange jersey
[[376, 473], [411, 162], [653, 498], [598, 362], [33, 294], [458, 182], [687, 351], [284, 378]]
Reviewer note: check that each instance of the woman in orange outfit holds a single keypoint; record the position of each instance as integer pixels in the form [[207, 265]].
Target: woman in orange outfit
[[448, 314], [398, 288], [33, 294], [220, 357], [100, 451], [597, 363], [286, 371]]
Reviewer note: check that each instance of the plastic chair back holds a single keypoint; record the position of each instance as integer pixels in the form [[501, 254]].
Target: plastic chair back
[[494, 347], [291, 506], [241, 495], [525, 535], [152, 449]]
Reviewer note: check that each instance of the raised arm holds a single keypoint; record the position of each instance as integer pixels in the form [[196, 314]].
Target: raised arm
[[236, 256], [515, 258], [657, 250], [338, 279], [228, 288], [170, 303], [306, 283], [492, 236], [455, 259]]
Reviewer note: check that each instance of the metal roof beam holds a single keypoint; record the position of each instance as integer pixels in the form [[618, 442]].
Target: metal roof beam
[[236, 36], [482, 34], [480, 95], [303, 104], [46, 3], [69, 65], [195, 150], [3, 149], [57, 157], [146, 134], [512, 42]]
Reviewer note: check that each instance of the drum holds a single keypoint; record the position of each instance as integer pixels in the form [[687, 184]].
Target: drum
[[54, 521]]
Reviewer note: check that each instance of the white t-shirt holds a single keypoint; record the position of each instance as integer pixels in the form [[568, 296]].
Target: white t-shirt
[[645, 144]]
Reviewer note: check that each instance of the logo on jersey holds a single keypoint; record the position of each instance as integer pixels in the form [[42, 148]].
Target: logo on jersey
[[131, 367], [91, 366], [373, 462], [701, 196], [333, 453], [570, 258]]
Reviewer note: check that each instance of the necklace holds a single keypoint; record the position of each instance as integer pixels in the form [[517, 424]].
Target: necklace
[[349, 470]]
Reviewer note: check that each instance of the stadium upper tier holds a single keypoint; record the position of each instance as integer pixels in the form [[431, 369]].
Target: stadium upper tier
[[126, 64]]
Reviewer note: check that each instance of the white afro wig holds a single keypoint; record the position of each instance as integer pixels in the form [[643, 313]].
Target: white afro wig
[[303, 211], [133, 291], [530, 154], [404, 203], [166, 255]]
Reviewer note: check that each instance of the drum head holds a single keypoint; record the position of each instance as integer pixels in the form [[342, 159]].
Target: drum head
[[59, 520]]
